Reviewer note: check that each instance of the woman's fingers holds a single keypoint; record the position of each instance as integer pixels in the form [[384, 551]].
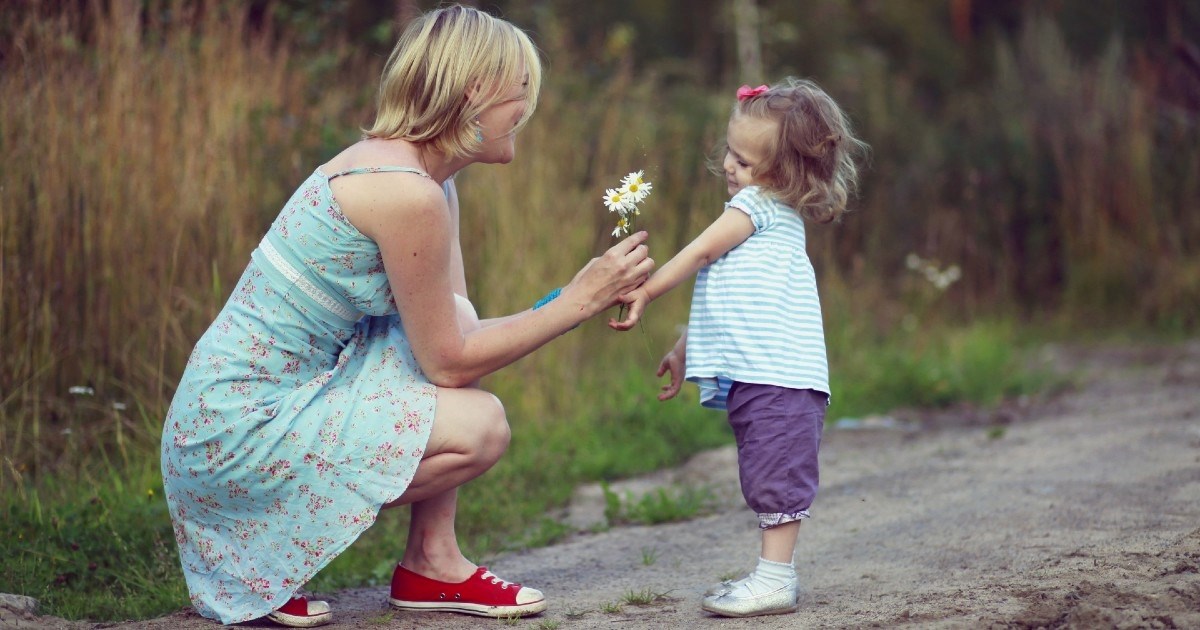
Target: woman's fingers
[[642, 271], [630, 243]]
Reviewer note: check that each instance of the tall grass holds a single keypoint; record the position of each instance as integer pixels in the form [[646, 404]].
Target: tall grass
[[149, 145], [142, 160]]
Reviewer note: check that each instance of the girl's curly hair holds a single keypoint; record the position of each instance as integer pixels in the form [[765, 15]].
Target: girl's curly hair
[[811, 164]]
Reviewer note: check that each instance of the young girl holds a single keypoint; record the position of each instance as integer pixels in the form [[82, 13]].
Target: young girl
[[754, 342]]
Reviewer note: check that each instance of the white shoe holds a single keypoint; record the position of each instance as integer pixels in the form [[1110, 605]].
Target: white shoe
[[785, 599]]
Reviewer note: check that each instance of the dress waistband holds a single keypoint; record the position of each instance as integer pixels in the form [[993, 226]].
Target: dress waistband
[[301, 281]]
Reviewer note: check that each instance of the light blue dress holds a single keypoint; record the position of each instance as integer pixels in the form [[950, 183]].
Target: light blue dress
[[301, 411]]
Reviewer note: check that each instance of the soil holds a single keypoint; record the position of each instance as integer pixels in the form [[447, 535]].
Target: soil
[[1079, 509]]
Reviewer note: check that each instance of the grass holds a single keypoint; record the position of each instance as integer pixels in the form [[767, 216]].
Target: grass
[[612, 608], [107, 553], [981, 364], [662, 505], [644, 597]]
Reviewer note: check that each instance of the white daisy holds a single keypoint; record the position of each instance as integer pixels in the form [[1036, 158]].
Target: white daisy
[[617, 200], [637, 187]]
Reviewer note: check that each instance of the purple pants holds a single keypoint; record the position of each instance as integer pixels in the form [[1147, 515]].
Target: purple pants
[[778, 433]]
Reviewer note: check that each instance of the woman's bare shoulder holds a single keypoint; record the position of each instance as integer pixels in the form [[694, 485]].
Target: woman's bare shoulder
[[373, 199]]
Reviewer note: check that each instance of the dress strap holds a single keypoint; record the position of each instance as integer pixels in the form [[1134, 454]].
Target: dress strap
[[380, 169]]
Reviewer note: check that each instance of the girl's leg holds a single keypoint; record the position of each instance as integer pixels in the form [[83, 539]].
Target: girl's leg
[[779, 542]]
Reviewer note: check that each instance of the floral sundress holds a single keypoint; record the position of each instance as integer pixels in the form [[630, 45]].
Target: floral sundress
[[301, 411]]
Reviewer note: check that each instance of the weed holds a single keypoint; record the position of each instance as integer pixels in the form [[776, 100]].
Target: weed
[[643, 597], [612, 608], [649, 556], [382, 619], [572, 613]]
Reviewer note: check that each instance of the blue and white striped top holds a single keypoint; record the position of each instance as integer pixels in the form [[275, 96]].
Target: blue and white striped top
[[756, 316]]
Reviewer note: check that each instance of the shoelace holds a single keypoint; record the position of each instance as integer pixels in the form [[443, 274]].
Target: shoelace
[[504, 584]]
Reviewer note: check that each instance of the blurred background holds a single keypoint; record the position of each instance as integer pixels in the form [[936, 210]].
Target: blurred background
[[1034, 176]]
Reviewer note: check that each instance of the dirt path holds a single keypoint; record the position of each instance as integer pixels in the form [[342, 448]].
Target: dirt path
[[1083, 512]]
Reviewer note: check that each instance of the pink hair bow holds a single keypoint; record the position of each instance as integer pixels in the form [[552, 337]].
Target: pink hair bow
[[746, 91]]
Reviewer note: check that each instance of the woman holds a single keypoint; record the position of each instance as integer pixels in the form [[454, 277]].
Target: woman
[[337, 380]]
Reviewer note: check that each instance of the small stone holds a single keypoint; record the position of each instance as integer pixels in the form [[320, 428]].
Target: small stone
[[19, 603]]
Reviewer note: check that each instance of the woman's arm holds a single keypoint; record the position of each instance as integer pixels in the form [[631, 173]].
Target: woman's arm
[[458, 273], [411, 222], [728, 231]]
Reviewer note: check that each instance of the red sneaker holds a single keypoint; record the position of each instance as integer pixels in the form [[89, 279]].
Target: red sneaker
[[301, 613], [482, 594]]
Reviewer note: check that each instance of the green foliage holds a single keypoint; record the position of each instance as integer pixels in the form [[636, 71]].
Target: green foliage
[[644, 597], [107, 553], [612, 608], [981, 363], [659, 506]]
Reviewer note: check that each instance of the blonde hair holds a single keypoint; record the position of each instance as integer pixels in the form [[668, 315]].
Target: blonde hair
[[811, 163], [448, 66]]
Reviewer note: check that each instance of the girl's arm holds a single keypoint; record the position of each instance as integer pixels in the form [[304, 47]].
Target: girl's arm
[[728, 231], [410, 220]]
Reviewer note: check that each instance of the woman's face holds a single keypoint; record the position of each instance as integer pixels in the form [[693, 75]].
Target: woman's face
[[498, 124]]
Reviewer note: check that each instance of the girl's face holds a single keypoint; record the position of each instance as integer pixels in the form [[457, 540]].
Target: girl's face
[[498, 123], [747, 139]]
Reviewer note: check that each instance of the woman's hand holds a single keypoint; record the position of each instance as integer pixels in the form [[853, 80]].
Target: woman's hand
[[600, 284]]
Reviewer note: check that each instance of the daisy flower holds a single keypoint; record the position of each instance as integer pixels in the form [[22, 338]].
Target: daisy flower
[[617, 200], [624, 200], [635, 186], [622, 227]]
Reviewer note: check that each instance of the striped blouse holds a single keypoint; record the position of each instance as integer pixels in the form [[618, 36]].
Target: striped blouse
[[756, 316]]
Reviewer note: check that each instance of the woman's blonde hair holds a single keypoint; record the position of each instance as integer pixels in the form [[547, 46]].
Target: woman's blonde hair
[[811, 163], [448, 66]]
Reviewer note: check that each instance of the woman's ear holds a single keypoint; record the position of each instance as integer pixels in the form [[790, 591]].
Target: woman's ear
[[474, 93]]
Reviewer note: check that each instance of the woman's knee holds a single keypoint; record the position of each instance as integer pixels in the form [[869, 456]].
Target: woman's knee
[[494, 434], [470, 422]]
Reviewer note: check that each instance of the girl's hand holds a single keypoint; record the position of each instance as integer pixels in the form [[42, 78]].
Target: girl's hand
[[636, 300], [673, 362], [602, 282]]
